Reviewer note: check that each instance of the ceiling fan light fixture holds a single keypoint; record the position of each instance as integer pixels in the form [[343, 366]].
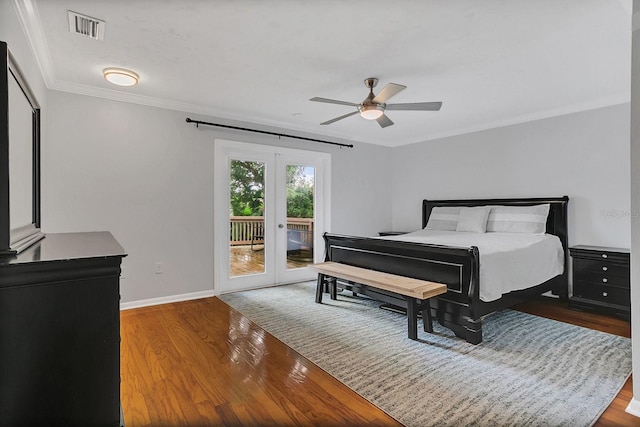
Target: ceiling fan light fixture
[[120, 76], [374, 106], [371, 112]]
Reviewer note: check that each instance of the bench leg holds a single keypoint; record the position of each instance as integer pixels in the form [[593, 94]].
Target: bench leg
[[412, 317], [319, 288], [330, 282], [426, 316], [333, 288]]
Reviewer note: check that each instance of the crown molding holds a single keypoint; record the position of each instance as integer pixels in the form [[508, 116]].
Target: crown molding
[[30, 22]]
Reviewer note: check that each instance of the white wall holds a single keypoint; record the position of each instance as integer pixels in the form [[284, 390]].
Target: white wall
[[583, 155], [147, 176], [361, 190], [139, 173]]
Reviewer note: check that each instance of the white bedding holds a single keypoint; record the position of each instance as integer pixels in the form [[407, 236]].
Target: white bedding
[[508, 261]]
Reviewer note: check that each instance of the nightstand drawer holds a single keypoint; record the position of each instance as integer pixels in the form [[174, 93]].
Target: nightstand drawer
[[600, 274], [599, 281], [600, 254], [597, 267], [602, 293]]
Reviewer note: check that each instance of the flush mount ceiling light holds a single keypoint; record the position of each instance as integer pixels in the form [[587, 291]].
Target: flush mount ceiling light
[[120, 76]]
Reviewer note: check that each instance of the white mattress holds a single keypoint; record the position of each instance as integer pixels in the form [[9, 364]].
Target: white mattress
[[508, 261]]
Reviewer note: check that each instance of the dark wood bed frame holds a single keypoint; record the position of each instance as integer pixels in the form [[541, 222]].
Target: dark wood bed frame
[[460, 309]]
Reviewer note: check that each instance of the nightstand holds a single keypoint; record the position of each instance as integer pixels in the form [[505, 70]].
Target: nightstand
[[601, 279], [392, 233]]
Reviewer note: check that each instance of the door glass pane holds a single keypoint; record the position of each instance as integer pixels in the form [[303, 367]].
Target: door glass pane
[[300, 215], [246, 197]]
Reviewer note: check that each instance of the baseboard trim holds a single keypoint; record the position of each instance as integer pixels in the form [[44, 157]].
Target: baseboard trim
[[634, 407], [166, 300]]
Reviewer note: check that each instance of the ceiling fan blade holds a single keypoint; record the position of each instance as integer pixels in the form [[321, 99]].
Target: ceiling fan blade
[[333, 101], [420, 106], [384, 121], [389, 90], [328, 122]]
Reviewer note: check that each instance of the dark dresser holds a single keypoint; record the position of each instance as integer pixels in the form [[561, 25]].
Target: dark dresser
[[601, 279], [60, 332]]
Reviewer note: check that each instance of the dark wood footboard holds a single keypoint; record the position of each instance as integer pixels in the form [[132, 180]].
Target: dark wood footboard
[[460, 309]]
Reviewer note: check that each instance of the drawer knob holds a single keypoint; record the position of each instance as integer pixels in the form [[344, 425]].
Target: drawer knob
[[604, 255], [604, 280], [605, 268], [604, 294]]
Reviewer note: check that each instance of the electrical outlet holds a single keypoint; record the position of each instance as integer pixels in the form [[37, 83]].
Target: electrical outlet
[[158, 268]]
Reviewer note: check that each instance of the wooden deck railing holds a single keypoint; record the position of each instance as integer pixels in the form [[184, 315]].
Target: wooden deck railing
[[244, 228]]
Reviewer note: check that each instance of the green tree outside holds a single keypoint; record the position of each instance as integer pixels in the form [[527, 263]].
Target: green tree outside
[[299, 192], [247, 190]]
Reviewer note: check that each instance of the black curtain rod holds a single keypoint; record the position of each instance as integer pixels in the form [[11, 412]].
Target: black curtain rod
[[198, 122]]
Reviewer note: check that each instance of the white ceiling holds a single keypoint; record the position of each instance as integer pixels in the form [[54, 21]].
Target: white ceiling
[[491, 62]]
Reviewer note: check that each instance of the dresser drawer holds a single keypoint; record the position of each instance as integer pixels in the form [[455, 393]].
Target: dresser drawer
[[602, 293]]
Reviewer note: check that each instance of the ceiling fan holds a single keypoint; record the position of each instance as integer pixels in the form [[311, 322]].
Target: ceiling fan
[[374, 106]]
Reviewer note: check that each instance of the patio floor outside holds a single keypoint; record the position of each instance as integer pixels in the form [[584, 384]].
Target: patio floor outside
[[247, 260]]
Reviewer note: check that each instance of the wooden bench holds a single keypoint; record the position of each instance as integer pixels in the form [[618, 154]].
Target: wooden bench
[[416, 292]]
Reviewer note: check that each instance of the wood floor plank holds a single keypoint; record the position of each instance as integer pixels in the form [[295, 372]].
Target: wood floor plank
[[203, 363]]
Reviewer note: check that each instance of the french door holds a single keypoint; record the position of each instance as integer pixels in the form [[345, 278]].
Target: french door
[[271, 208]]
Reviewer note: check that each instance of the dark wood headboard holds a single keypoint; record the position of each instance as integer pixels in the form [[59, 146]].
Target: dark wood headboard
[[556, 221]]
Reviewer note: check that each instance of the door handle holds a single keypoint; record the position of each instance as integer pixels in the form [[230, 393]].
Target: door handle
[[280, 225]]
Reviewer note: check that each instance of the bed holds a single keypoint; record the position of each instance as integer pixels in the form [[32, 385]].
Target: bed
[[458, 265]]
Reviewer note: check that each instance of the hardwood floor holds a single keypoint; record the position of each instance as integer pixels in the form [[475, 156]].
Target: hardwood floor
[[202, 363]]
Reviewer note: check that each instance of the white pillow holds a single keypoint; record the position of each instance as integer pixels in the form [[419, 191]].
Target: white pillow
[[473, 219], [443, 218], [519, 219]]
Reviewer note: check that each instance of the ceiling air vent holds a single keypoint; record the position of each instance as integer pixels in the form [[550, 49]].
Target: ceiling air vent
[[86, 26]]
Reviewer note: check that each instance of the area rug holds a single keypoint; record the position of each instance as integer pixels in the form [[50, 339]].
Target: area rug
[[528, 371]]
